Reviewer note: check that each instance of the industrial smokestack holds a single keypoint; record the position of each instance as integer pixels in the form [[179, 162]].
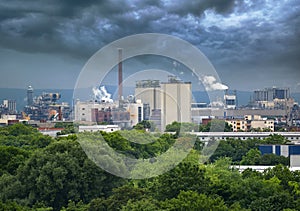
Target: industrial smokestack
[[59, 113], [120, 75]]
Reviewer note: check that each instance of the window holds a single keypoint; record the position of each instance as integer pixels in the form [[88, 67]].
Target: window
[[139, 114]]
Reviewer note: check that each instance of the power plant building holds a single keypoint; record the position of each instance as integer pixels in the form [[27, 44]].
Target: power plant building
[[148, 91], [272, 98], [10, 106], [168, 101], [176, 99], [269, 94]]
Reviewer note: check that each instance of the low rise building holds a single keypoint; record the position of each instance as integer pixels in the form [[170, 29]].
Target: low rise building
[[83, 111], [282, 150], [237, 124], [263, 124], [95, 128]]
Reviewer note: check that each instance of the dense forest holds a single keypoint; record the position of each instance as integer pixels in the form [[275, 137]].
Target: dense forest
[[43, 173]]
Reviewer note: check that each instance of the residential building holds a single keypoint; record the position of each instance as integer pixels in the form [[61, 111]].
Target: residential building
[[237, 124]]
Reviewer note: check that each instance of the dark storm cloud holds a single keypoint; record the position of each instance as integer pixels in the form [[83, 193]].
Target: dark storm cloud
[[197, 7], [228, 31], [57, 26], [70, 25]]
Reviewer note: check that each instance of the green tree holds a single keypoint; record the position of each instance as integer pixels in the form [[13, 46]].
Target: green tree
[[275, 139], [191, 200], [57, 174], [276, 202], [216, 125], [21, 129], [11, 158], [179, 127], [282, 173], [272, 160], [145, 125], [252, 157], [120, 197], [184, 177], [145, 204]]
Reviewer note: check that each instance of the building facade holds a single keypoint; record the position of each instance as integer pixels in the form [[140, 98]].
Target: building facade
[[95, 128], [148, 91], [83, 110], [283, 150], [237, 124], [10, 106], [176, 99]]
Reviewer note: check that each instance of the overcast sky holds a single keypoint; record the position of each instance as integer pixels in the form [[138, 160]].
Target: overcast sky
[[252, 44]]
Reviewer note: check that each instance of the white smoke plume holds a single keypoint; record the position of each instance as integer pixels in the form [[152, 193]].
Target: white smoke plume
[[211, 84], [101, 94]]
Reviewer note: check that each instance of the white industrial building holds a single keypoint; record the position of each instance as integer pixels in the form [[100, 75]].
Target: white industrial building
[[95, 128], [83, 110], [136, 112], [169, 101], [176, 99]]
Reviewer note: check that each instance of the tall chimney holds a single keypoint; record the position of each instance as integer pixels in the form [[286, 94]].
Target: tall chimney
[[59, 113], [120, 76]]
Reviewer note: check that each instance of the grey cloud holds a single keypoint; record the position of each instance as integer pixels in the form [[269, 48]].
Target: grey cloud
[[79, 28], [197, 7], [41, 25]]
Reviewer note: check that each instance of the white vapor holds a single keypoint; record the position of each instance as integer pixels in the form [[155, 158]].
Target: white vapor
[[211, 84], [102, 95]]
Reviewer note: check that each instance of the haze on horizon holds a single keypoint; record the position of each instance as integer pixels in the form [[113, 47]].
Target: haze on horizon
[[252, 44]]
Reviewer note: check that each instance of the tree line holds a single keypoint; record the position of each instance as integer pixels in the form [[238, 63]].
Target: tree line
[[43, 173]]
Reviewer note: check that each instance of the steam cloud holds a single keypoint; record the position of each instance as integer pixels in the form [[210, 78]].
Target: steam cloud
[[102, 95], [211, 84]]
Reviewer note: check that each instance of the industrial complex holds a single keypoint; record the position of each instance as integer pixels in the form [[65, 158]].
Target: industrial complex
[[162, 102]]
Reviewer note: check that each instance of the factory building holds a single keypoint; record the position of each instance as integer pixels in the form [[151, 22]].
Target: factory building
[[95, 128], [136, 112], [29, 96], [126, 117], [269, 94], [9, 107], [176, 99], [230, 100], [168, 101], [83, 110], [272, 98], [148, 91], [283, 150], [46, 107]]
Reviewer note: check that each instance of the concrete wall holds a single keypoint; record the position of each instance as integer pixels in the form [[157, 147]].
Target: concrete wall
[[176, 101]]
